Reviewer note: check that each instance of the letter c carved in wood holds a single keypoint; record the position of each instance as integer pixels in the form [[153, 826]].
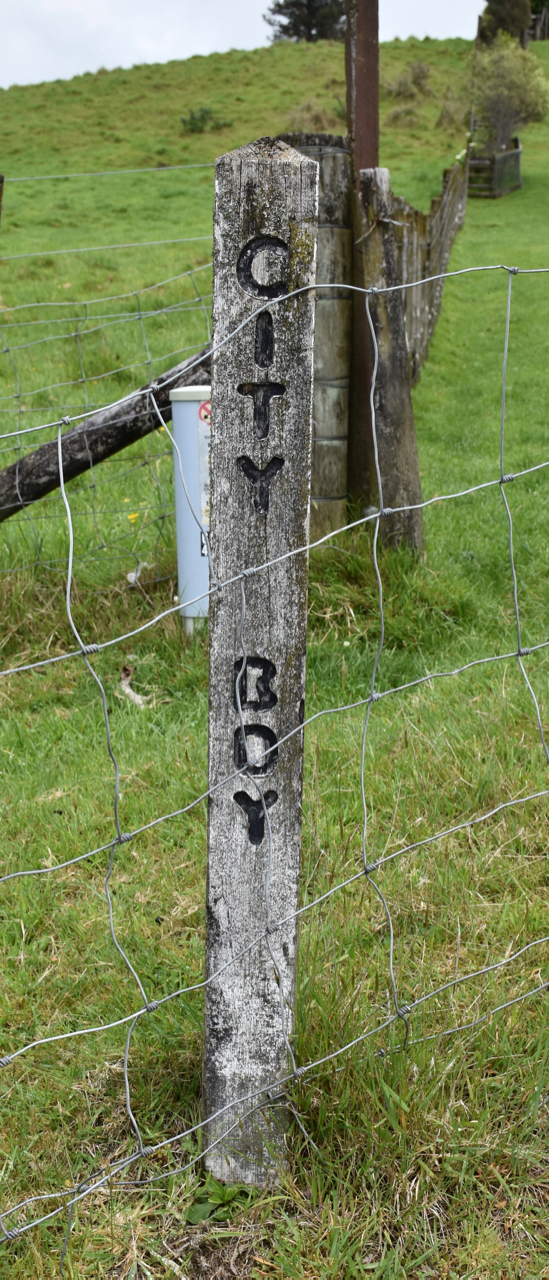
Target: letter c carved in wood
[[276, 249]]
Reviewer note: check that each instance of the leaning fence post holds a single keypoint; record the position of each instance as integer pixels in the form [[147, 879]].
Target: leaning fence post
[[265, 226]]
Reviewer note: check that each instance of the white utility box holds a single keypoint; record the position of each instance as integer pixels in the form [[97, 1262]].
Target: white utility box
[[191, 412]]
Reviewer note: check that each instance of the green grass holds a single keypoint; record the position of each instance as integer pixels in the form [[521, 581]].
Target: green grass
[[132, 119], [430, 1163]]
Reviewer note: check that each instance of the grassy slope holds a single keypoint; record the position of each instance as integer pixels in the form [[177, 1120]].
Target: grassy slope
[[126, 119], [430, 1164]]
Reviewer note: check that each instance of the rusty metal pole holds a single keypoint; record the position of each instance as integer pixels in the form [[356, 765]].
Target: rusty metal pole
[[362, 73], [396, 440]]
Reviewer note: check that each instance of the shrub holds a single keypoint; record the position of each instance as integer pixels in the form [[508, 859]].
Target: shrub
[[509, 90], [402, 117], [411, 82], [311, 117], [453, 116], [197, 121], [403, 87], [420, 77]]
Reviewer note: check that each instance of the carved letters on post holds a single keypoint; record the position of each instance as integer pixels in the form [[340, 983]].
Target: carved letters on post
[[264, 249]]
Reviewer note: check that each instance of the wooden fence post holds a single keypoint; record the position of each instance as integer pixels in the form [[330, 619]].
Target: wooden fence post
[[265, 227], [395, 430]]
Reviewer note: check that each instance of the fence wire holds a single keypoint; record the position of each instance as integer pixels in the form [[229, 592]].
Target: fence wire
[[86, 342], [24, 1216]]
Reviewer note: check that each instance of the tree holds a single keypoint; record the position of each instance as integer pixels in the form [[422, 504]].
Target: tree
[[509, 90], [512, 16], [307, 19]]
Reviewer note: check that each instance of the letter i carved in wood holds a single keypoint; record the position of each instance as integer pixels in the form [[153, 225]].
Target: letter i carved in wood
[[265, 227]]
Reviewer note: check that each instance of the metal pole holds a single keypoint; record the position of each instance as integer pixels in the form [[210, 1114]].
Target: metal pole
[[362, 72]]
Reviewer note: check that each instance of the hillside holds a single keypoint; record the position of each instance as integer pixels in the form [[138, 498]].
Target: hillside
[[131, 119], [120, 119]]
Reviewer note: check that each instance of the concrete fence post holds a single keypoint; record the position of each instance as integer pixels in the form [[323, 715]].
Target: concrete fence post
[[265, 228], [333, 326]]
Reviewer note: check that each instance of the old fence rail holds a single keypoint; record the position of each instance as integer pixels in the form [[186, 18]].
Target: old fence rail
[[424, 243]]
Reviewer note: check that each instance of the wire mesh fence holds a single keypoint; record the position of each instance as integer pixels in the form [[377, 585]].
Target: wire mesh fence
[[423, 1005], [131, 310], [97, 351]]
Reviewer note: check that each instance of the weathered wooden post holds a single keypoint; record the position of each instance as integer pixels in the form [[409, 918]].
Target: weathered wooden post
[[265, 226], [395, 429]]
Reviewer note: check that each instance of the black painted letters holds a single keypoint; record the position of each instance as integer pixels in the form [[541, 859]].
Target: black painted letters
[[276, 249], [260, 480], [255, 813], [262, 394], [256, 745], [262, 749], [264, 340], [263, 673]]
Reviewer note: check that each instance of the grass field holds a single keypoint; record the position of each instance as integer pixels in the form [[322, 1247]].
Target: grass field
[[429, 1163]]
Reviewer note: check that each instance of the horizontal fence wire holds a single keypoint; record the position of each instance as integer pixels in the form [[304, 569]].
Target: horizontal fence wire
[[18, 1219], [88, 328], [84, 341], [104, 298], [109, 173], [101, 248]]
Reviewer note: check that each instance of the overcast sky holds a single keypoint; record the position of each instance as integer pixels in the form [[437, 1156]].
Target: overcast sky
[[51, 39]]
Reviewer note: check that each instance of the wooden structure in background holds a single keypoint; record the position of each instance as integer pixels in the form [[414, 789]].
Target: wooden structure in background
[[495, 175], [362, 76], [539, 26]]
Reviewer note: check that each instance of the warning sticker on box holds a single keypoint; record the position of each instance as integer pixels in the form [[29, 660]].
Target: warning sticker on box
[[204, 416]]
